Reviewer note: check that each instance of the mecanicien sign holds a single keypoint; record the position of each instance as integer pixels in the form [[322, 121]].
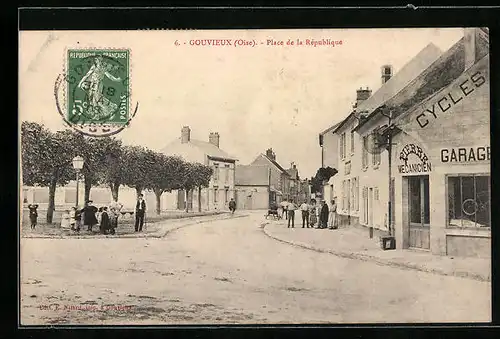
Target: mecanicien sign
[[422, 166]]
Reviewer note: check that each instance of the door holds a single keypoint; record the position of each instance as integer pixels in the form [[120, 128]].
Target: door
[[249, 202], [419, 212]]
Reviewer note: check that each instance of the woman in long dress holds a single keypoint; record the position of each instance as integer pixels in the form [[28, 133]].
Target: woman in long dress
[[312, 213], [332, 218]]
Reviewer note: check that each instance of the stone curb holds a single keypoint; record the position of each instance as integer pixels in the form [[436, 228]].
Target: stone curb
[[379, 261], [157, 234]]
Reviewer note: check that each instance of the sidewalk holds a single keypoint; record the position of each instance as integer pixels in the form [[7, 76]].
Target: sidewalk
[[153, 230], [354, 243]]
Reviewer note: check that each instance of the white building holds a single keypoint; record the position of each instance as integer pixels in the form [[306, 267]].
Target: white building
[[221, 187], [361, 184]]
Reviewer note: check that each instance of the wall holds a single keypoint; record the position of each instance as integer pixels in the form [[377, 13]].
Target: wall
[[252, 197], [330, 150]]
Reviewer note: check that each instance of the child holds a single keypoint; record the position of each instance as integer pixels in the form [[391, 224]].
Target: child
[[66, 220], [105, 222], [98, 217], [74, 222], [33, 215]]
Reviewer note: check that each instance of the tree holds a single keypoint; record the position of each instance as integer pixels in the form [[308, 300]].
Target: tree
[[46, 159], [195, 175], [202, 174], [96, 154], [322, 174], [164, 175], [114, 168], [136, 162]]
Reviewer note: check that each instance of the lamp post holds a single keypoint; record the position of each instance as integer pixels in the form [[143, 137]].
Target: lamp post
[[77, 165]]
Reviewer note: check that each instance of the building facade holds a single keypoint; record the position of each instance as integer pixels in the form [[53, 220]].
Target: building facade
[[253, 187], [361, 185], [432, 192], [441, 156], [221, 187], [329, 143], [279, 177]]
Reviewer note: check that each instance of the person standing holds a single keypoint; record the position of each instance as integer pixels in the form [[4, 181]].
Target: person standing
[[323, 215], [332, 219], [304, 208], [312, 213], [89, 217], [105, 223], [140, 210], [291, 213], [284, 213], [33, 215], [232, 205], [115, 208]]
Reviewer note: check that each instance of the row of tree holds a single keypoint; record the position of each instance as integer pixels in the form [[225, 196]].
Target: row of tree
[[47, 161]]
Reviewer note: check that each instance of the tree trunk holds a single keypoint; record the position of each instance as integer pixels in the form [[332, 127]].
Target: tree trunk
[[187, 201], [87, 188], [158, 194], [138, 190], [52, 196], [114, 191], [199, 199]]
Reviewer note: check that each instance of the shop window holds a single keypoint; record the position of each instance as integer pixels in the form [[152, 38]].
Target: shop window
[[469, 201]]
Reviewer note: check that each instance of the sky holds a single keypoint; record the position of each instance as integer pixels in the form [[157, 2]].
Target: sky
[[255, 97]]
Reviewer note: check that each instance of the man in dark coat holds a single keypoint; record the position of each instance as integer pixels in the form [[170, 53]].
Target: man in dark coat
[[89, 217], [232, 206], [33, 215], [105, 222], [323, 215], [140, 210]]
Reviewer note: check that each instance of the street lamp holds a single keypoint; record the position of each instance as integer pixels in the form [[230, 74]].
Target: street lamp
[[77, 165]]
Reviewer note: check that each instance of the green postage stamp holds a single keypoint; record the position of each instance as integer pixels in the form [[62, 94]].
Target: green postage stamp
[[97, 96]]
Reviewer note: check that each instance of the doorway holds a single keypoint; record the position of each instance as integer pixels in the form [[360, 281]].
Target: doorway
[[419, 212], [370, 207]]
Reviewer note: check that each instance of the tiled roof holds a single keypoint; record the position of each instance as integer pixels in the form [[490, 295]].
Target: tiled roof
[[252, 175], [403, 77], [439, 75], [330, 128], [195, 150]]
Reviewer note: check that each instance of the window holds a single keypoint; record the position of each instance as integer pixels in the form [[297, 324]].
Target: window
[[226, 174], [226, 195], [376, 155], [352, 142], [365, 205], [347, 168], [375, 194], [469, 201], [343, 195], [353, 194], [356, 200], [216, 194], [342, 146], [348, 195], [216, 172], [364, 155]]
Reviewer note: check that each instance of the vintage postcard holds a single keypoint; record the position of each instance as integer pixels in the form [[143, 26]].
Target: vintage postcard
[[304, 176]]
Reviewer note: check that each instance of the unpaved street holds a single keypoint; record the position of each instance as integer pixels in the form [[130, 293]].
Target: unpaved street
[[228, 271]]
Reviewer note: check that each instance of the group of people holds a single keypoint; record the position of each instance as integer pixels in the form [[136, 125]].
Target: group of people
[[106, 216], [325, 216]]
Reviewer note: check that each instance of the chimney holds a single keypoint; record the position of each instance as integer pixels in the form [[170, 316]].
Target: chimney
[[362, 95], [386, 73], [185, 134], [469, 46], [270, 154], [213, 138]]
